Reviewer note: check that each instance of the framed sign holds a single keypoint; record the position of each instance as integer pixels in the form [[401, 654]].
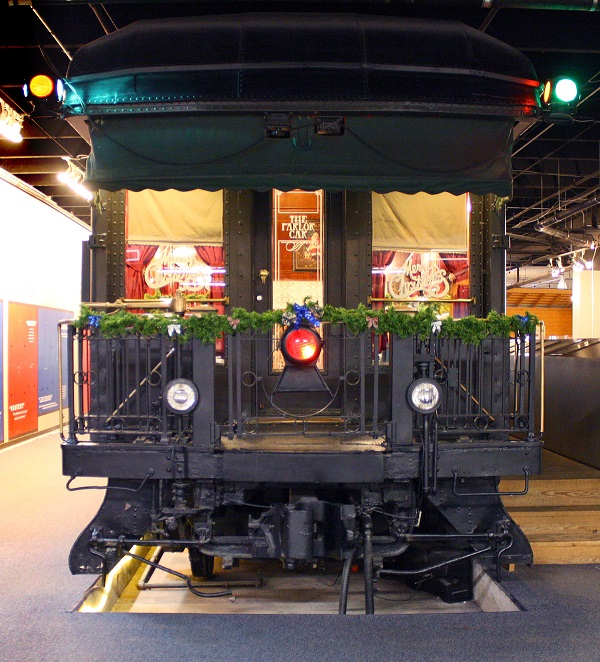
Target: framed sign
[[307, 257]]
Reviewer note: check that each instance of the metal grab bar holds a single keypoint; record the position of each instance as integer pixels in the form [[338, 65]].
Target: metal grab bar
[[419, 300], [177, 304], [526, 472], [60, 381]]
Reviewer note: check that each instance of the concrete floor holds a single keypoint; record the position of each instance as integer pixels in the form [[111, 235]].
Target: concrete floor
[[39, 521]]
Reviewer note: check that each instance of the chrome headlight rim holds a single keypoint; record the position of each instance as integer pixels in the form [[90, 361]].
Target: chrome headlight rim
[[186, 387], [421, 407]]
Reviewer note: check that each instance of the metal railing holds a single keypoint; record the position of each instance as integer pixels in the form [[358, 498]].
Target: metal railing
[[115, 388], [488, 387]]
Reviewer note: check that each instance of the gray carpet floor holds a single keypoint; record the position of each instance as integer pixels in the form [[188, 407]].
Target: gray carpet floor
[[40, 519]]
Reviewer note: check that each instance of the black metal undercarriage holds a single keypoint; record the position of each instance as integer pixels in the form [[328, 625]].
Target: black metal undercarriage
[[237, 480]]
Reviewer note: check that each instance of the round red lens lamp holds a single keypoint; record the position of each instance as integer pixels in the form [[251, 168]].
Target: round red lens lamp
[[301, 346]]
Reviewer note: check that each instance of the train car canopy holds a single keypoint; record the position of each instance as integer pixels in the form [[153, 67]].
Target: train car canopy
[[301, 101]]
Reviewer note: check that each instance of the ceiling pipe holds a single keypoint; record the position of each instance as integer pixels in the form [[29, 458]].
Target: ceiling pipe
[[43, 22], [567, 213], [582, 206], [531, 281], [562, 191], [101, 20]]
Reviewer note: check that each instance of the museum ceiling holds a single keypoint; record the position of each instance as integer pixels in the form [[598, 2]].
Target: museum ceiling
[[556, 166]]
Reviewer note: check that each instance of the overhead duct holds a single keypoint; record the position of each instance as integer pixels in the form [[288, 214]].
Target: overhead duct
[[565, 236], [545, 227]]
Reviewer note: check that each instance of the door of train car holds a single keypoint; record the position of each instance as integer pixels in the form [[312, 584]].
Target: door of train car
[[302, 249]]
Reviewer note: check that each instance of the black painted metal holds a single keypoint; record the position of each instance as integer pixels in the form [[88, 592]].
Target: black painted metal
[[357, 247], [573, 5], [107, 247], [203, 372], [488, 254], [117, 517], [465, 460], [121, 429], [402, 374], [476, 255], [238, 230], [288, 468], [480, 511]]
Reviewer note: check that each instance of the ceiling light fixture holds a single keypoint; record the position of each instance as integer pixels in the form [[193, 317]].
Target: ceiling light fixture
[[558, 270], [73, 177], [11, 123], [578, 265]]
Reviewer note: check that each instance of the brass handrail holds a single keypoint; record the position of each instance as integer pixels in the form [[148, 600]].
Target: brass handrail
[[177, 304], [419, 300]]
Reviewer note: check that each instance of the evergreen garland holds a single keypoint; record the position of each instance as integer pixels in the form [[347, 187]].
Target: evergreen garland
[[207, 328]]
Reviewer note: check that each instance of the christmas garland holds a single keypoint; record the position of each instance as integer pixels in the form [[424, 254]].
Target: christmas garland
[[426, 321]]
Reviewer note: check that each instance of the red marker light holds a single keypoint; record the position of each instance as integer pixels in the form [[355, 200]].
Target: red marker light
[[301, 346]]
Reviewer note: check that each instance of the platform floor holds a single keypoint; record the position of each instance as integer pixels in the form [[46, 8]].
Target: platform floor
[[269, 589], [39, 520]]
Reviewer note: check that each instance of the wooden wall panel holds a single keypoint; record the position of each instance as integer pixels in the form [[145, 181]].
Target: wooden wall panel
[[558, 321]]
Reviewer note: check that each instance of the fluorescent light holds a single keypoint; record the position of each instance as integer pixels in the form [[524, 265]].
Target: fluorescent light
[[73, 177], [11, 123]]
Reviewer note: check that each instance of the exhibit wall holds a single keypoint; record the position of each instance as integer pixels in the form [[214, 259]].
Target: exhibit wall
[[40, 276]]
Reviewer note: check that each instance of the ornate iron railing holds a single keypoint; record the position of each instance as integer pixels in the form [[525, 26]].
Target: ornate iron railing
[[115, 388]]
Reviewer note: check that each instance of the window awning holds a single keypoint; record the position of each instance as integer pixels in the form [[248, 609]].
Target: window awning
[[169, 217], [379, 153], [420, 221]]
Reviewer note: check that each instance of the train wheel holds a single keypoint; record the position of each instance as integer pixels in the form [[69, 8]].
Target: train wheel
[[201, 564]]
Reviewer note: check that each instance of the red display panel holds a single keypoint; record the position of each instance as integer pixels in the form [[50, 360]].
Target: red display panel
[[22, 369]]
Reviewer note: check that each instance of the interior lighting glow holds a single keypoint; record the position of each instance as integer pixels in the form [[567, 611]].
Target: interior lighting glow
[[547, 91]]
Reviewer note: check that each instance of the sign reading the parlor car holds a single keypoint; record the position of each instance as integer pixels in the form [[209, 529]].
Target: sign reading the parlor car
[[298, 230]]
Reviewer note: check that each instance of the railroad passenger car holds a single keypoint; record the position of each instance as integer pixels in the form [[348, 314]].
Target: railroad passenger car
[[293, 346]]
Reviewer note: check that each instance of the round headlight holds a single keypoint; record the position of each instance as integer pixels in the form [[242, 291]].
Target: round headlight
[[424, 395], [181, 396]]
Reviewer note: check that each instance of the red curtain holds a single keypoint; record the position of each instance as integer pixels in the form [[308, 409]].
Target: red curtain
[[135, 286], [214, 257], [457, 266], [380, 260]]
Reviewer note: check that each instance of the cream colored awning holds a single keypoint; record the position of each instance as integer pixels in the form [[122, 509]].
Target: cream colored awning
[[419, 222], [175, 217]]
